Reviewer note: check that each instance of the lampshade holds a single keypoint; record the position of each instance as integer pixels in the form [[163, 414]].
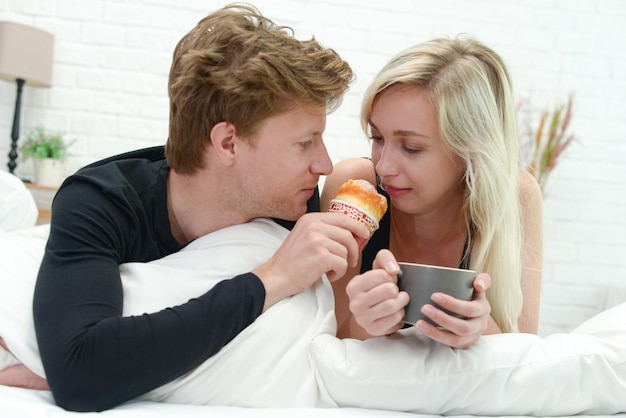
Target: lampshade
[[26, 54], [25, 58]]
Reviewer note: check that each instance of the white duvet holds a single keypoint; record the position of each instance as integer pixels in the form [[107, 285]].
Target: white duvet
[[289, 357]]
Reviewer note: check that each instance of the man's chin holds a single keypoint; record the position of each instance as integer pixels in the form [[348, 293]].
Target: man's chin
[[291, 215], [289, 218]]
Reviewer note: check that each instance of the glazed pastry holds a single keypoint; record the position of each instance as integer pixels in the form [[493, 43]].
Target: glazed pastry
[[360, 200]]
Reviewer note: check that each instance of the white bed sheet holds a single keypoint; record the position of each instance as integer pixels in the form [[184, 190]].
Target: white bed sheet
[[24, 403]]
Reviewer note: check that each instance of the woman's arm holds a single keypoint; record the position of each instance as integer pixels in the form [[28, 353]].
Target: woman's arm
[[19, 375], [532, 251], [532, 255], [532, 259]]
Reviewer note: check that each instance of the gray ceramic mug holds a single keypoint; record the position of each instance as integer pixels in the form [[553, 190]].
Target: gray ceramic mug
[[420, 281]]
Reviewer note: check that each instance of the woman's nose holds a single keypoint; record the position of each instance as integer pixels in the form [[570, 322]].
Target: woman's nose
[[385, 165]]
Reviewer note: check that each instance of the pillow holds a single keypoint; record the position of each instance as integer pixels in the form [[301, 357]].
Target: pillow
[[506, 374], [17, 206], [509, 374], [6, 359], [20, 256], [266, 365]]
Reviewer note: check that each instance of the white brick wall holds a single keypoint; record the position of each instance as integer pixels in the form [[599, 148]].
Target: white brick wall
[[112, 59]]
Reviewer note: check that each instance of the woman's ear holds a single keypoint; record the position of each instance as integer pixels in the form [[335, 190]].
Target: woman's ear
[[223, 138]]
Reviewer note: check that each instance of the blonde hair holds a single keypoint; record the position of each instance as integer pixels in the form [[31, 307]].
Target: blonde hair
[[240, 67], [470, 89]]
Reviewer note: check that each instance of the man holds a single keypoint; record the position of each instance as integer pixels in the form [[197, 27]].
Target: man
[[248, 108]]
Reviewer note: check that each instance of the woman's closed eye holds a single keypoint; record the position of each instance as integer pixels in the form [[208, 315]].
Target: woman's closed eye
[[411, 150]]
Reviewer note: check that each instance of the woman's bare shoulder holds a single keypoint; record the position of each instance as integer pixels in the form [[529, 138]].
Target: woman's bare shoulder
[[529, 189], [354, 168], [351, 168]]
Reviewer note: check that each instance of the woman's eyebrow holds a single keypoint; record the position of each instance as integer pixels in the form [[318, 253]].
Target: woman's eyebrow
[[404, 132], [400, 132]]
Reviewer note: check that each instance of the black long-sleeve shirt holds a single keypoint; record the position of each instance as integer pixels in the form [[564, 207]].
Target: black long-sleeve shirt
[[109, 213]]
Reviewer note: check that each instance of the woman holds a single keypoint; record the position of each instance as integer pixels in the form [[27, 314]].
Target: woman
[[444, 151]]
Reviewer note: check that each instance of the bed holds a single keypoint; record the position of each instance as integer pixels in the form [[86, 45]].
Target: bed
[[309, 372], [21, 403]]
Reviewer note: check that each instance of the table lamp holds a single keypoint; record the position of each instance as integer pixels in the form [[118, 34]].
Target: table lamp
[[26, 58]]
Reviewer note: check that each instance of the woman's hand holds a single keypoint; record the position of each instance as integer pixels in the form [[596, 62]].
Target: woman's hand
[[20, 376], [456, 332], [375, 300], [377, 305]]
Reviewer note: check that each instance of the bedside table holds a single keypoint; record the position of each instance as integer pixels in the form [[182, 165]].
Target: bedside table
[[43, 199]]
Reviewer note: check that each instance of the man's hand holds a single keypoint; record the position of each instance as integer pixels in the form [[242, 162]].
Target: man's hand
[[319, 243]]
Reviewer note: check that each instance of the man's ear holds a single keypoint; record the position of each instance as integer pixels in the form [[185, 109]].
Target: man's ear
[[223, 138]]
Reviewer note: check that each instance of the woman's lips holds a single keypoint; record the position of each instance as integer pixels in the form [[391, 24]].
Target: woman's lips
[[395, 191]]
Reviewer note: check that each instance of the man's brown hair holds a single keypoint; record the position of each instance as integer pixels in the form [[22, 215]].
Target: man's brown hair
[[240, 67]]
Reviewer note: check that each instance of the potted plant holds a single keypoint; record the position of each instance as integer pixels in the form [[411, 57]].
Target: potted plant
[[48, 152], [546, 143]]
